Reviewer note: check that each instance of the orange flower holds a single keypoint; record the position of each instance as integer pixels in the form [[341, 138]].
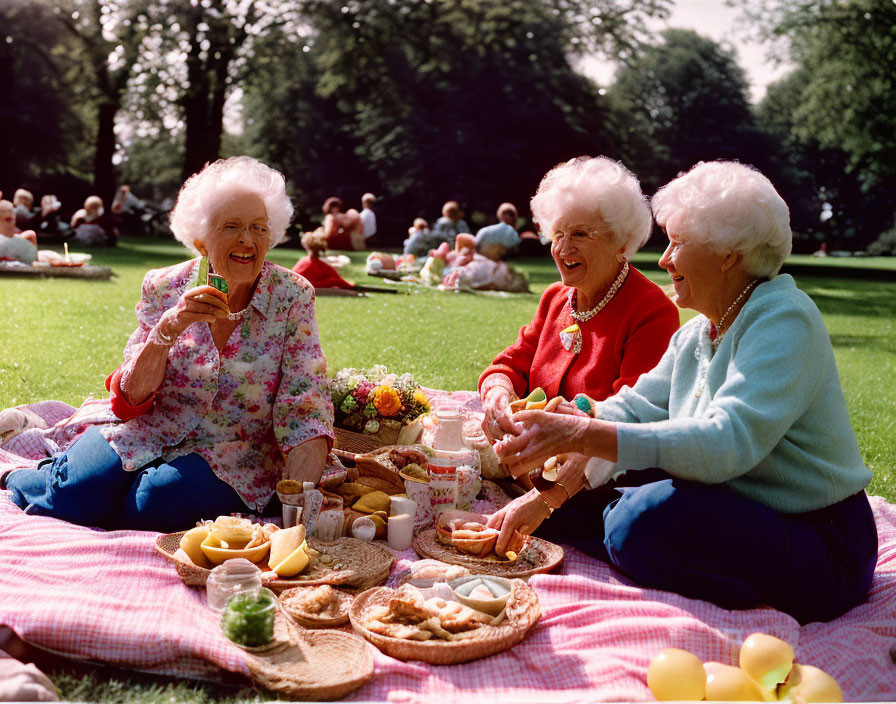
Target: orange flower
[[386, 400]]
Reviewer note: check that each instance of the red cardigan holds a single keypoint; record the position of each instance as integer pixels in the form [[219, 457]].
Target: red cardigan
[[624, 340]]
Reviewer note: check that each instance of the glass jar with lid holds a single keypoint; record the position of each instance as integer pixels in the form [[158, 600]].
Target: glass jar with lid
[[232, 577]]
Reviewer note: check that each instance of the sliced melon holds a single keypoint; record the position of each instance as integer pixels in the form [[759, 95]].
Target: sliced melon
[[294, 563]]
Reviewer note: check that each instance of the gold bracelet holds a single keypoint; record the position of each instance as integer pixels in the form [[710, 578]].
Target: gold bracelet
[[568, 495], [550, 508]]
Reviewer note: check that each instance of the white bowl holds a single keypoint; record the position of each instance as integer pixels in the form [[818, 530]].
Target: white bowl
[[498, 586]]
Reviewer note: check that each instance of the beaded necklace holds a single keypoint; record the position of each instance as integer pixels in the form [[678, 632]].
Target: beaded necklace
[[702, 362], [571, 337], [589, 314]]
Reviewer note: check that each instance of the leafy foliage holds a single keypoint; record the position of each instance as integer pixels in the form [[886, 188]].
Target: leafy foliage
[[687, 101], [442, 99], [848, 99]]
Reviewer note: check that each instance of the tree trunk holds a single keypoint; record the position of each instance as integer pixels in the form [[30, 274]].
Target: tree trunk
[[103, 168]]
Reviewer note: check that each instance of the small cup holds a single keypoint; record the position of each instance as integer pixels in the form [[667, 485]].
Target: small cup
[[402, 506], [400, 531]]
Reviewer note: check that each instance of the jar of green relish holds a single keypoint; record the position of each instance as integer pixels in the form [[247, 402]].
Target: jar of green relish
[[249, 618]]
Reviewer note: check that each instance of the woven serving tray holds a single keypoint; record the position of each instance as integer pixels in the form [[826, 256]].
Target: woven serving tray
[[538, 556], [361, 565], [522, 613], [291, 601], [310, 665]]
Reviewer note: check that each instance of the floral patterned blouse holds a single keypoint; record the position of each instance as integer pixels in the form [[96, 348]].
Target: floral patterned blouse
[[243, 409]]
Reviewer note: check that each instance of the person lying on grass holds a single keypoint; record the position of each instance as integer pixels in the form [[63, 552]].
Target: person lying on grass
[[604, 323], [220, 395], [759, 496]]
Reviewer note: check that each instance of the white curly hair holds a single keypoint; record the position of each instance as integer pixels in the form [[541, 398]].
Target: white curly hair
[[191, 218], [600, 187], [731, 207]]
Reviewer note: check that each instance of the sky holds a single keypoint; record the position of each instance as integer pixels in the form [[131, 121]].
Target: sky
[[711, 18]]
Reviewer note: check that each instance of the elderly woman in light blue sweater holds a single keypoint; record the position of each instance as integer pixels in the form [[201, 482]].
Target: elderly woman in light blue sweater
[[741, 479]]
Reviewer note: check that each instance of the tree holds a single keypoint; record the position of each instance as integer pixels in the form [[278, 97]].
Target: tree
[[108, 33], [466, 99], [829, 201], [40, 130], [686, 100], [848, 100]]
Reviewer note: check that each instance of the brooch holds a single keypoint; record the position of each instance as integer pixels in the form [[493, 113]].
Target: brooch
[[571, 339]]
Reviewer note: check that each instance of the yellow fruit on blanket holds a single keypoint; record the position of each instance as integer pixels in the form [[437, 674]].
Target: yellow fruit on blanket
[[810, 684], [294, 563], [727, 683], [766, 659], [676, 675], [191, 543]]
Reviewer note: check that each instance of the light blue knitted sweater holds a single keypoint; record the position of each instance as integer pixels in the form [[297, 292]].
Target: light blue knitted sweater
[[771, 421]]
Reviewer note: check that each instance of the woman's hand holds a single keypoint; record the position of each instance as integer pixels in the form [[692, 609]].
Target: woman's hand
[[202, 304], [498, 420], [523, 515], [543, 435]]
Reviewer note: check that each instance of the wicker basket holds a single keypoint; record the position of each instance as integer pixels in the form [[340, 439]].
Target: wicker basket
[[390, 433], [291, 601], [364, 565], [310, 665], [357, 443], [538, 556], [522, 614]]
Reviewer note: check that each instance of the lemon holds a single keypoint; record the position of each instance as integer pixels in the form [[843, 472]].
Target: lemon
[[293, 563]]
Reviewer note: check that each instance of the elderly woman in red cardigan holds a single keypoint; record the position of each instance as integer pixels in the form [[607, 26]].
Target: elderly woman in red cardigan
[[604, 323]]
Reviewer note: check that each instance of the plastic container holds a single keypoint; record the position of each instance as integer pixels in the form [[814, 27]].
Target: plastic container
[[449, 454], [233, 577], [312, 503], [248, 618]]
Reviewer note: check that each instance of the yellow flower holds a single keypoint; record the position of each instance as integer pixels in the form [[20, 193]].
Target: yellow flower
[[420, 397], [386, 400]]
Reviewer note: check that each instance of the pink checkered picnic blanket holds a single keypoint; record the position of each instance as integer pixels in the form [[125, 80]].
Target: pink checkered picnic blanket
[[109, 597]]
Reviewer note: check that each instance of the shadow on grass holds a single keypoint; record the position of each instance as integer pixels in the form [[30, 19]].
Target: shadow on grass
[[860, 303]]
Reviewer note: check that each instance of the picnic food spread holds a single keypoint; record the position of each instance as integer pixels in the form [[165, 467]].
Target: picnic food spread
[[767, 672], [467, 533]]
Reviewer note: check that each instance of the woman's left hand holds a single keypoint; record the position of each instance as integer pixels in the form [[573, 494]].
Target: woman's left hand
[[544, 435], [523, 515]]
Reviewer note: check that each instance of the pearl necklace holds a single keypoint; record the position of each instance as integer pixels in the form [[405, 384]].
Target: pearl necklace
[[719, 333], [703, 363], [589, 314]]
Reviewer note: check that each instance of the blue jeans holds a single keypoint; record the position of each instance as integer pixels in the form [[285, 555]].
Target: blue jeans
[[708, 542], [87, 485]]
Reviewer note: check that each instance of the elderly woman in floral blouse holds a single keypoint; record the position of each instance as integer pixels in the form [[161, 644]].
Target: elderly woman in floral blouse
[[220, 395]]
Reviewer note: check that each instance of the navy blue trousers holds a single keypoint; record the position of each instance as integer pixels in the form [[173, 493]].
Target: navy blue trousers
[[87, 485], [708, 542]]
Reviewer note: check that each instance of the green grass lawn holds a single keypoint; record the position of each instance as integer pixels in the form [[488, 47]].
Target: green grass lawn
[[60, 338]]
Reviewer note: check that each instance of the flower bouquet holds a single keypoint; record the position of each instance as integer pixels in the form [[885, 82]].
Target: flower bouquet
[[384, 407]]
